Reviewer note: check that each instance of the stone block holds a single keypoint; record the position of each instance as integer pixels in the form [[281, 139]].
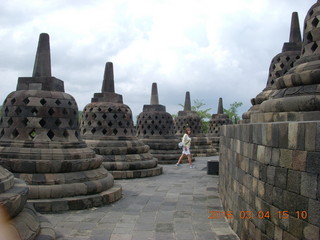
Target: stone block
[[275, 157], [260, 153], [275, 135], [286, 158], [283, 135], [310, 231], [263, 172], [212, 167], [310, 136], [271, 170], [288, 236], [294, 181], [278, 233], [296, 227], [313, 162], [314, 212], [309, 185], [281, 177], [299, 160], [277, 198]]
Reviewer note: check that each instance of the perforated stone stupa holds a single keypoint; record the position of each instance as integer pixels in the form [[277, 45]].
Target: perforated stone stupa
[[297, 95], [217, 120], [23, 221], [201, 145], [40, 143], [155, 127], [279, 66], [107, 127]]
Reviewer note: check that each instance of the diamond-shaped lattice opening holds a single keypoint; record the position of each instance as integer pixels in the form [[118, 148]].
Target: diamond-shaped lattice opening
[[99, 123], [160, 121], [149, 127], [119, 110], [50, 134], [86, 116], [125, 131], [2, 133], [43, 101], [70, 123], [32, 134], [58, 122], [15, 133], [6, 111], [84, 130], [93, 130], [26, 100], [144, 131], [65, 134], [64, 111], [13, 100], [115, 116], [160, 132], [115, 131], [89, 123], [156, 127], [309, 37], [288, 58], [10, 121], [104, 131], [311, 12], [278, 59], [156, 117], [152, 132], [281, 65], [25, 121], [94, 116], [109, 123], [69, 103], [51, 111], [104, 116], [18, 111], [109, 109], [297, 57], [315, 22], [99, 109], [58, 102], [314, 47], [120, 124], [42, 122]]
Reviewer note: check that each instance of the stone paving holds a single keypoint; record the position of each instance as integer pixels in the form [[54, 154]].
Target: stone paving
[[174, 205]]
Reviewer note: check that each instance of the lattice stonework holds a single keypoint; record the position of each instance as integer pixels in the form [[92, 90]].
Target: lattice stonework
[[182, 122], [311, 36], [100, 120], [29, 116], [155, 123]]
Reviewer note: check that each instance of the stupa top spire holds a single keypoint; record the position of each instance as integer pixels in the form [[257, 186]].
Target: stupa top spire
[[187, 102], [295, 41], [154, 94], [42, 64], [108, 78], [220, 107]]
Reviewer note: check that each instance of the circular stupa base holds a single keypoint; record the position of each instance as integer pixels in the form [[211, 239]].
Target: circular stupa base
[[78, 202], [127, 174]]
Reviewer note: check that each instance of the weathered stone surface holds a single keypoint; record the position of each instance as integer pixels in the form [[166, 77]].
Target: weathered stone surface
[[40, 140], [107, 127]]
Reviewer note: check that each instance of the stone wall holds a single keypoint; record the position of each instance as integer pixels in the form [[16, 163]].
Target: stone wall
[[270, 179]]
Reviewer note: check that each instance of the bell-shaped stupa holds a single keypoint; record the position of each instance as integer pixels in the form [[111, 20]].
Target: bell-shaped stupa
[[279, 66], [216, 121], [297, 95], [18, 219], [107, 127], [40, 143], [155, 127], [200, 145]]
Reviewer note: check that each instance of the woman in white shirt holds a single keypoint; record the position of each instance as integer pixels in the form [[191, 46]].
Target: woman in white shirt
[[186, 143]]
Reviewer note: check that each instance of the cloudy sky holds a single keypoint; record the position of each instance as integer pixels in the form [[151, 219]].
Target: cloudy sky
[[211, 48]]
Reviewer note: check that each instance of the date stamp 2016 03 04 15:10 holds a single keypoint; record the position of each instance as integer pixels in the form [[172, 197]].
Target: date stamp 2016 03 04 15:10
[[259, 214]]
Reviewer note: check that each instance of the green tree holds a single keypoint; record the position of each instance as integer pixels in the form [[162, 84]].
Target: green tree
[[232, 112], [202, 113]]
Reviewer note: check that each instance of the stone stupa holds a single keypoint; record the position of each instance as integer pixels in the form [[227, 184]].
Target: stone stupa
[[18, 219], [40, 143], [297, 96], [279, 66], [216, 121], [107, 127], [155, 127], [201, 145]]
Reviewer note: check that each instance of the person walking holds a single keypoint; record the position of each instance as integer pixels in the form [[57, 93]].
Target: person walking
[[186, 143]]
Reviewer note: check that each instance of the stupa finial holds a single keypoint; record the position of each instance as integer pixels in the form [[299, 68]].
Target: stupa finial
[[42, 64], [220, 107], [108, 79], [154, 95], [187, 102], [295, 33]]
